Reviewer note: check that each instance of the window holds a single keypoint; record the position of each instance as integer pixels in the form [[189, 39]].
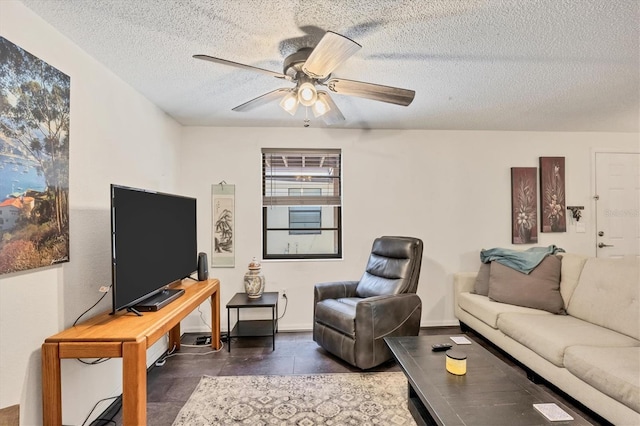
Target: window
[[301, 204], [303, 218]]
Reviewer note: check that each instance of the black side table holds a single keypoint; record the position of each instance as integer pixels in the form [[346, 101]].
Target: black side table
[[253, 328]]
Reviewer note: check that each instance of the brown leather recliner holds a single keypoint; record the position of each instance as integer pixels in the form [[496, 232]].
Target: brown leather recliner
[[352, 318]]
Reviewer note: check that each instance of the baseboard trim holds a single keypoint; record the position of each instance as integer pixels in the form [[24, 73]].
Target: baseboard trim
[[439, 323], [301, 328]]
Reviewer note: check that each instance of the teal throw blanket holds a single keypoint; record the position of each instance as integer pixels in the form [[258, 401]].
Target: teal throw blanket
[[523, 261]]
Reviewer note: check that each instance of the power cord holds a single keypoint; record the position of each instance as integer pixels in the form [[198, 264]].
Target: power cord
[[163, 359], [99, 360], [95, 406], [94, 362], [202, 317], [94, 305], [286, 302], [213, 351]]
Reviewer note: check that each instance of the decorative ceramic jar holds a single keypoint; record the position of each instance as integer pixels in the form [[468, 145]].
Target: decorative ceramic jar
[[253, 280]]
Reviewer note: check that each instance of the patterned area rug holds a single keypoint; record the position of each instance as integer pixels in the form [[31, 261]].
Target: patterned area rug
[[301, 400]]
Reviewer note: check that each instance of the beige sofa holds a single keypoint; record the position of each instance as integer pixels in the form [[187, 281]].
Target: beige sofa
[[592, 353]]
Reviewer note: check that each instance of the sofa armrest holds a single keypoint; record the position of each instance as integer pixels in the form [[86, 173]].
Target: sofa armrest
[[463, 282], [334, 290]]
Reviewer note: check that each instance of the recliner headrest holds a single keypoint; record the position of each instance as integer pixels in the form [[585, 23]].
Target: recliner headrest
[[393, 267]]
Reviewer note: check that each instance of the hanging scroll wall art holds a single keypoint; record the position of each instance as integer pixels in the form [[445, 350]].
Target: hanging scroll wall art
[[223, 226]]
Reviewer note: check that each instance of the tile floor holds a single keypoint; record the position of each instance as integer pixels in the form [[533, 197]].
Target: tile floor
[[170, 386]]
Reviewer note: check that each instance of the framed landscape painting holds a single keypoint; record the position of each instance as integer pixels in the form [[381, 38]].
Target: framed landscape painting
[[552, 196], [34, 161], [524, 208]]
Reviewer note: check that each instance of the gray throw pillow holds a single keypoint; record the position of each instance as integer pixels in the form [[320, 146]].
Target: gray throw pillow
[[540, 289], [481, 286]]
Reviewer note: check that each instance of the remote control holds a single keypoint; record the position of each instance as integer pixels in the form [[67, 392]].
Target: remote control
[[440, 347]]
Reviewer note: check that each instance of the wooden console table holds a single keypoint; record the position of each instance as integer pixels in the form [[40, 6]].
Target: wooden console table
[[125, 336]]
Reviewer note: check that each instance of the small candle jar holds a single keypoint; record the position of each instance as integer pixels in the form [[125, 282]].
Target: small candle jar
[[456, 362]]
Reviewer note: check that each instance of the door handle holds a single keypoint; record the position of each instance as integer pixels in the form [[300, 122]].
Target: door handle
[[601, 245]]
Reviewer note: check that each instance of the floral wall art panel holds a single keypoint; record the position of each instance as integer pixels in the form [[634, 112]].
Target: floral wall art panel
[[552, 196], [524, 208], [223, 216], [34, 161]]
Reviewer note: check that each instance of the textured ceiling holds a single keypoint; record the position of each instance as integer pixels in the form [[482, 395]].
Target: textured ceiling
[[547, 65]]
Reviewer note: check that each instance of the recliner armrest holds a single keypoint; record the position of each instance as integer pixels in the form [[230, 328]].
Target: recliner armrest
[[334, 290], [388, 313]]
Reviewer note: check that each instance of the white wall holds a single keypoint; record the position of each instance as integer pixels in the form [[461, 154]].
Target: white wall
[[116, 136], [450, 188]]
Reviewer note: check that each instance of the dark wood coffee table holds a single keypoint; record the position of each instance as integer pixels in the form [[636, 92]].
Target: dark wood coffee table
[[491, 393]]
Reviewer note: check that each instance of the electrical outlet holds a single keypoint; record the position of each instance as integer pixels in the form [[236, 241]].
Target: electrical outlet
[[284, 293]]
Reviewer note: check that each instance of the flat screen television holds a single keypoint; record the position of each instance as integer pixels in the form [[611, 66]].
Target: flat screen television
[[153, 244]]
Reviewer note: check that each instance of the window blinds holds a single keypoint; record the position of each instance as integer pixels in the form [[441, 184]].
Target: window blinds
[[311, 169]]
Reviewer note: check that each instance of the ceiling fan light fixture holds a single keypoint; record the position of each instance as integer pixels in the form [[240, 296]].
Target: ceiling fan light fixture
[[290, 103], [320, 108], [307, 94]]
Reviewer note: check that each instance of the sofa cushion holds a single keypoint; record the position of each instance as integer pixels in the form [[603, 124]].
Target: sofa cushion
[[481, 285], [539, 289], [488, 311], [613, 371], [608, 294], [570, 271], [550, 335]]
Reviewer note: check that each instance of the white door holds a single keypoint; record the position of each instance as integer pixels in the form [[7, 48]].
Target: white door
[[617, 177]]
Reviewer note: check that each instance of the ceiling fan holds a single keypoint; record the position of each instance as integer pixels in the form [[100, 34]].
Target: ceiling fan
[[311, 67]]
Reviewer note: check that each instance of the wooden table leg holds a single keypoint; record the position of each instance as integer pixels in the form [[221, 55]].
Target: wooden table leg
[[134, 383], [174, 338], [51, 385], [215, 319]]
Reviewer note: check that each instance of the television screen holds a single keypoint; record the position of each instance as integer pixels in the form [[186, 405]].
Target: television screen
[[153, 243]]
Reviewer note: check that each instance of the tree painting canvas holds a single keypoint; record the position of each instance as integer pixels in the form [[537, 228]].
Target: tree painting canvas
[[223, 213], [34, 161], [524, 208], [553, 218]]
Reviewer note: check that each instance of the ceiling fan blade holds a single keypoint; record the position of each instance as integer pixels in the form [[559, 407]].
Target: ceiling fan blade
[[377, 92], [262, 99], [334, 115], [243, 66], [332, 50]]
